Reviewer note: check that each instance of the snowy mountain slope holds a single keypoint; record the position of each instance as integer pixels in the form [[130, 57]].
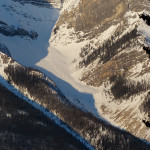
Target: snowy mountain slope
[[112, 45], [77, 39], [128, 112], [47, 99], [33, 87]]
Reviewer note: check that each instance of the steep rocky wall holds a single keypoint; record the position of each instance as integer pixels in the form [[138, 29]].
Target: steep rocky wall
[[93, 16]]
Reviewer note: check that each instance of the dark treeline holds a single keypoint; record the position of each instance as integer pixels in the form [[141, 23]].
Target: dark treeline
[[147, 50], [145, 108], [122, 88], [146, 104], [100, 134], [146, 18], [35, 84], [23, 127], [109, 48], [147, 123]]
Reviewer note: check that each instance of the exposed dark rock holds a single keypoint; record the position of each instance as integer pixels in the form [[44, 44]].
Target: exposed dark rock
[[146, 18], [11, 31], [40, 3], [4, 50], [56, 29], [147, 123], [147, 49]]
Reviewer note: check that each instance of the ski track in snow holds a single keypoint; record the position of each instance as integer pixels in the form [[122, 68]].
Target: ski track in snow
[[55, 63]]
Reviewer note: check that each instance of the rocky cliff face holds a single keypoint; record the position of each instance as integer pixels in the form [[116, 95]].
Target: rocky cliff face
[[112, 55]]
